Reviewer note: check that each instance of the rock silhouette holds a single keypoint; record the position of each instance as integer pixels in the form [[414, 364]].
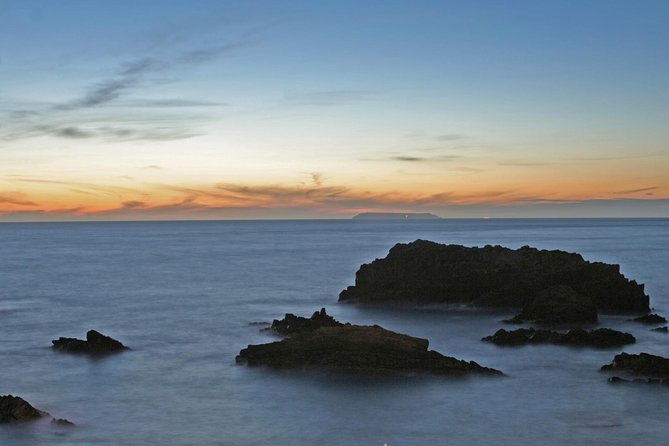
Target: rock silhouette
[[650, 319], [15, 409], [292, 324], [352, 348], [602, 337], [550, 286], [95, 344], [641, 364]]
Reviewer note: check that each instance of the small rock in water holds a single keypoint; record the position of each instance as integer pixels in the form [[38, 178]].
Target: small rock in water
[[62, 422], [619, 380], [95, 344], [664, 329], [650, 319], [641, 364]]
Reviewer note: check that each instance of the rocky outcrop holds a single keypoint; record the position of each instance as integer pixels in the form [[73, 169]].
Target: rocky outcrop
[[650, 319], [95, 344], [602, 337], [14, 409], [664, 329], [424, 272], [292, 324], [558, 305], [641, 364], [355, 348]]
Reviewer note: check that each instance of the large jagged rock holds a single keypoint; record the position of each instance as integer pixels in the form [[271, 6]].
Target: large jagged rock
[[357, 349], [424, 272], [292, 324], [641, 364], [95, 344], [602, 337], [14, 409]]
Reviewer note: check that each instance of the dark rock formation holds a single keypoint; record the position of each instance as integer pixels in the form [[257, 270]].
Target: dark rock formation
[[62, 422], [292, 324], [602, 337], [619, 380], [650, 319], [641, 364], [95, 344], [664, 329], [357, 349], [14, 409], [424, 272], [558, 305]]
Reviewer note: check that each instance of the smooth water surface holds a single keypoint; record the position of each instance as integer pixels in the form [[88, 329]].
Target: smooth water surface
[[183, 295]]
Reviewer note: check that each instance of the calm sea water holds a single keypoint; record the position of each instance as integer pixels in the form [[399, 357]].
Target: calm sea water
[[183, 295]]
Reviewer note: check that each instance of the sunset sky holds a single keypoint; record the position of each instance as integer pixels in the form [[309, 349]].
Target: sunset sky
[[126, 110]]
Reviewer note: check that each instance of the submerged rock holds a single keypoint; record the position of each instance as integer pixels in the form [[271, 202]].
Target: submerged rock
[[641, 364], [602, 337], [15, 409], [619, 380], [96, 344], [62, 422], [292, 324], [664, 329], [357, 349], [650, 319], [424, 272]]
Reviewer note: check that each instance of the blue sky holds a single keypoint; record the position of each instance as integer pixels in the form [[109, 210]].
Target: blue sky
[[210, 109]]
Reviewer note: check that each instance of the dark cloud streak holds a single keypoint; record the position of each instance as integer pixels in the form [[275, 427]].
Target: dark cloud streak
[[634, 191]]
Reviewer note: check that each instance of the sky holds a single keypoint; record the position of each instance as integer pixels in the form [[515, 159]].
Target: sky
[[131, 110]]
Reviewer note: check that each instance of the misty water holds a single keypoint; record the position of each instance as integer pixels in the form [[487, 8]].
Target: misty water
[[184, 295]]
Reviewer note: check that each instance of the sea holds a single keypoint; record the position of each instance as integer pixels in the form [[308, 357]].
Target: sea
[[187, 296]]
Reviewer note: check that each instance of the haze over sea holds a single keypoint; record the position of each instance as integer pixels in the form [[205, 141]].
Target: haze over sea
[[183, 296]]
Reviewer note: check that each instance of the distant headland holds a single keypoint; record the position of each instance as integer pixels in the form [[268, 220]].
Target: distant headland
[[395, 216]]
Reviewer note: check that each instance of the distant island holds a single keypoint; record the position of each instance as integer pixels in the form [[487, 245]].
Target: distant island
[[395, 216]]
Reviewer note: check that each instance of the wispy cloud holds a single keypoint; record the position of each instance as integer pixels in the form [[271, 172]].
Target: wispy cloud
[[634, 191], [518, 163], [317, 178], [133, 73], [450, 137], [172, 103], [329, 97], [144, 133], [105, 189], [411, 158], [236, 200], [15, 198], [130, 74], [66, 119], [620, 157]]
